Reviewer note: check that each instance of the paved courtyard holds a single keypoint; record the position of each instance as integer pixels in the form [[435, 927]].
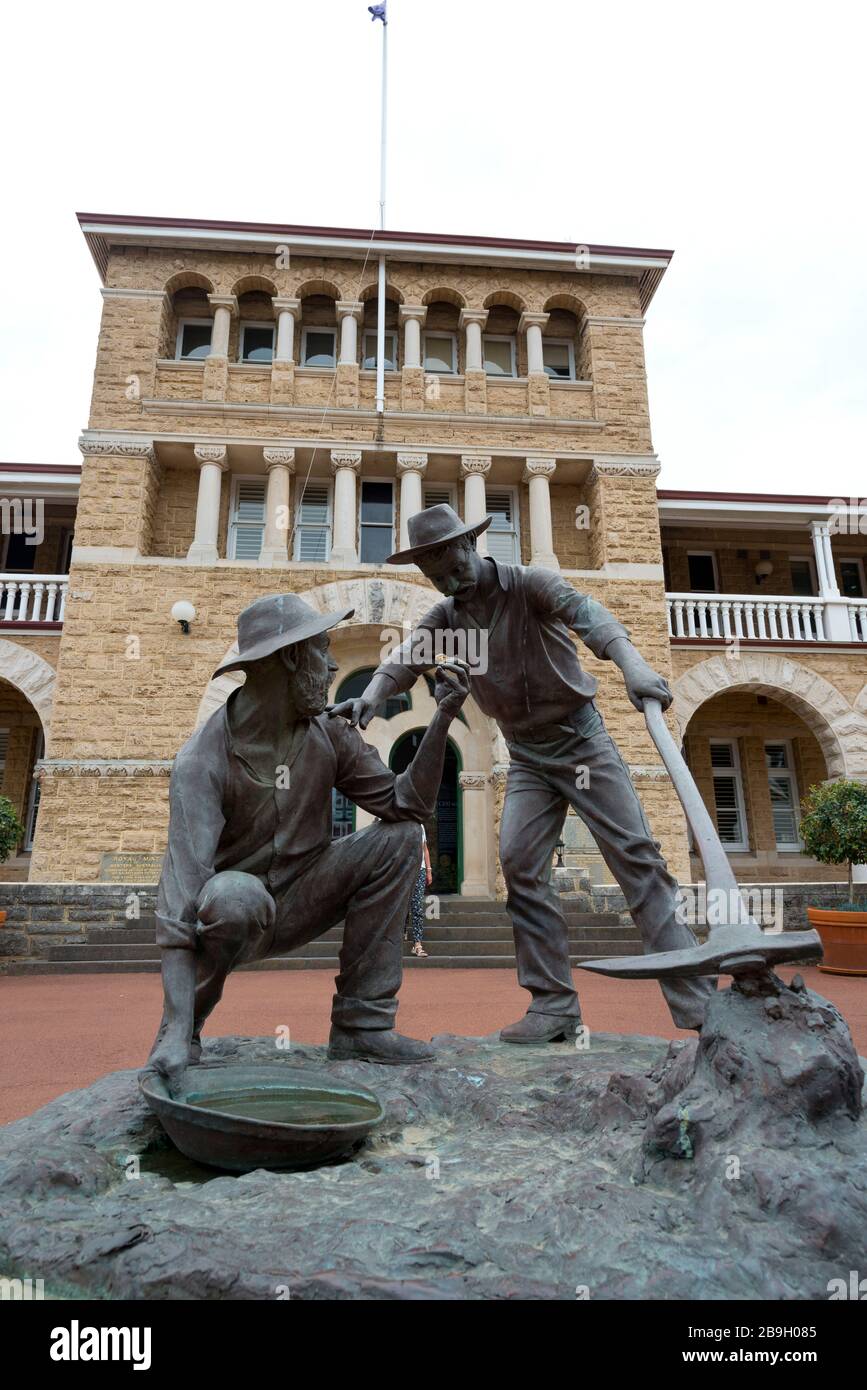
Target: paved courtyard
[[57, 1034]]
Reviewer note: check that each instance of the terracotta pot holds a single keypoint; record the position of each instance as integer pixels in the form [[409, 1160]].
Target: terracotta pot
[[844, 939], [2, 919]]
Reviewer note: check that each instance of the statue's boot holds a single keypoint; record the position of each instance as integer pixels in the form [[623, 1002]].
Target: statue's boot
[[537, 1027], [381, 1045]]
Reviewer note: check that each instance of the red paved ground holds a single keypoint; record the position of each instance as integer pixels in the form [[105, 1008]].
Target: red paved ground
[[57, 1033]]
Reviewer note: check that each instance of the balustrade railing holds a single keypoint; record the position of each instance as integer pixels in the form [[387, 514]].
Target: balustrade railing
[[33, 598], [769, 618]]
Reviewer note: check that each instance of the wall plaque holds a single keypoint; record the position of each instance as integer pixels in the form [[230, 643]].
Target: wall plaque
[[124, 866]]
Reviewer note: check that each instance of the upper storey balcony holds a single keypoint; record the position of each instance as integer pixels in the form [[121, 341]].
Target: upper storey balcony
[[37, 520], [246, 323], [759, 570]]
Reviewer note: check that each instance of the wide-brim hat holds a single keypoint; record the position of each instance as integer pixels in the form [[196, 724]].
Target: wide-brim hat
[[433, 527], [276, 621]]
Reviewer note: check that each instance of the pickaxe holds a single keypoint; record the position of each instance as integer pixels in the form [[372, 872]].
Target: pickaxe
[[736, 945]]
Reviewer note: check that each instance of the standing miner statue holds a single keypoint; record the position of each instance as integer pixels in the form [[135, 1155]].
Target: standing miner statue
[[532, 684]]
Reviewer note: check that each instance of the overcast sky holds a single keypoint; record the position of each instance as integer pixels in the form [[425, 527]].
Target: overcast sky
[[733, 134]]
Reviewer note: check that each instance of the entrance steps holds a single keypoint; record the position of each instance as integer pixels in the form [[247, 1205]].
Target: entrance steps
[[471, 933]]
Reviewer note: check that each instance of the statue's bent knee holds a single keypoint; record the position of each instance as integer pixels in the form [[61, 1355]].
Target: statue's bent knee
[[234, 907]]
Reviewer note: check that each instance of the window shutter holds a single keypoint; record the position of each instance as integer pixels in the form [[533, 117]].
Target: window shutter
[[502, 540], [437, 497], [727, 802], [249, 521], [782, 791], [314, 523], [4, 745], [727, 813]]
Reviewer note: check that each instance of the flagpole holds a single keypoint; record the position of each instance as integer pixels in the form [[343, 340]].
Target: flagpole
[[380, 303]]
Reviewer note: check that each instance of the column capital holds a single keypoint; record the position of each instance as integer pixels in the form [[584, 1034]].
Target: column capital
[[822, 528], [211, 453], [532, 321], [467, 316], [473, 781], [411, 463], [416, 312], [475, 463], [346, 458], [117, 445], [279, 458], [538, 468], [350, 309], [281, 302], [224, 301], [627, 468]]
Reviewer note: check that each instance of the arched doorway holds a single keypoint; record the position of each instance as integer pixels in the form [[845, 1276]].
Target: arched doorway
[[444, 830]]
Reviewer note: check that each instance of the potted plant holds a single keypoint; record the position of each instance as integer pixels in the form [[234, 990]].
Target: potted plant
[[11, 835], [834, 831]]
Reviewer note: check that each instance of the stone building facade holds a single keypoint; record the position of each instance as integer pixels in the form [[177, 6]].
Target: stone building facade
[[234, 448]]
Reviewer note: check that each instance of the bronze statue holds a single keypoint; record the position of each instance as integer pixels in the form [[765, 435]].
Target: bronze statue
[[251, 870]]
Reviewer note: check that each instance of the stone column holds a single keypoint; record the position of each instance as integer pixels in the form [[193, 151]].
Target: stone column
[[412, 317], [212, 465], [475, 834], [473, 470], [216, 373], [836, 610], [288, 314], [349, 315], [280, 464], [538, 389], [471, 322], [410, 470], [345, 465], [538, 473]]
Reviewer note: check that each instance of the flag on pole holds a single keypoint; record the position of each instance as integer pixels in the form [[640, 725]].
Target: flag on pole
[[378, 12]]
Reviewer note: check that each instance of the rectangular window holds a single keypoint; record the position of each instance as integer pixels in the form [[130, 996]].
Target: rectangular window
[[502, 534], [440, 352], [852, 579], [319, 347], [702, 572], [377, 522], [558, 359], [20, 553], [194, 339], [257, 342], [803, 573], [247, 528], [368, 360], [499, 355], [4, 745], [313, 523], [728, 795]]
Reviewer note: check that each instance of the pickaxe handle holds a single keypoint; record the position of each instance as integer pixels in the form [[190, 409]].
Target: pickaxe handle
[[717, 869]]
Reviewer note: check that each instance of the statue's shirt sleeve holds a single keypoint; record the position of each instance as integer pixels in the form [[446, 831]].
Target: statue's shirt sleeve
[[553, 597], [414, 656], [364, 778]]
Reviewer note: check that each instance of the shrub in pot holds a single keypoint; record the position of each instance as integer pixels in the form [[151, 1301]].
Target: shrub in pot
[[11, 834], [834, 831]]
